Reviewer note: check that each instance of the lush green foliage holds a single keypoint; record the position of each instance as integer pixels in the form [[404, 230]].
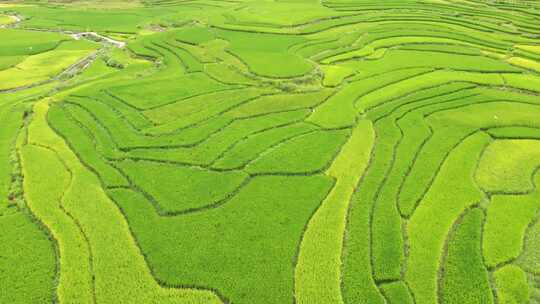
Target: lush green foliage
[[252, 238], [269, 152], [511, 285], [27, 263], [186, 188], [317, 276], [465, 276]]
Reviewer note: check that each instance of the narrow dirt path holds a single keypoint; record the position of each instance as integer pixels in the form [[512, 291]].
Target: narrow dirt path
[[75, 68]]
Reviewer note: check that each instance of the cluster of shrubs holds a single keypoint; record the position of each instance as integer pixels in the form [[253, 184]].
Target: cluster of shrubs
[[113, 63]]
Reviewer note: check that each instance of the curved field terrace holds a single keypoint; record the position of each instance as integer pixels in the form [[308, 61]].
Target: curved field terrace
[[270, 152]]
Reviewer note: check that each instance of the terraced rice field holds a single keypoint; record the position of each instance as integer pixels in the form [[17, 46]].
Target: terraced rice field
[[270, 152]]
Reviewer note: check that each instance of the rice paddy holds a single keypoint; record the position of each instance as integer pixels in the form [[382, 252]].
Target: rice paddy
[[270, 152]]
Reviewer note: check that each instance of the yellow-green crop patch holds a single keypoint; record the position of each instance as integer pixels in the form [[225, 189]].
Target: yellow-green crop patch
[[6, 19], [270, 152], [44, 66]]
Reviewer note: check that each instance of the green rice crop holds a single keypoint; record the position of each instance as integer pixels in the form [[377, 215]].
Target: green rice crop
[[307, 153], [41, 67], [6, 19], [512, 285], [84, 144], [247, 150], [281, 102], [23, 240], [193, 84], [282, 205], [269, 152], [73, 203], [185, 189], [34, 278], [436, 213], [339, 109], [217, 142], [317, 274], [259, 51], [528, 261], [465, 276], [397, 292], [509, 166], [19, 42], [508, 219]]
